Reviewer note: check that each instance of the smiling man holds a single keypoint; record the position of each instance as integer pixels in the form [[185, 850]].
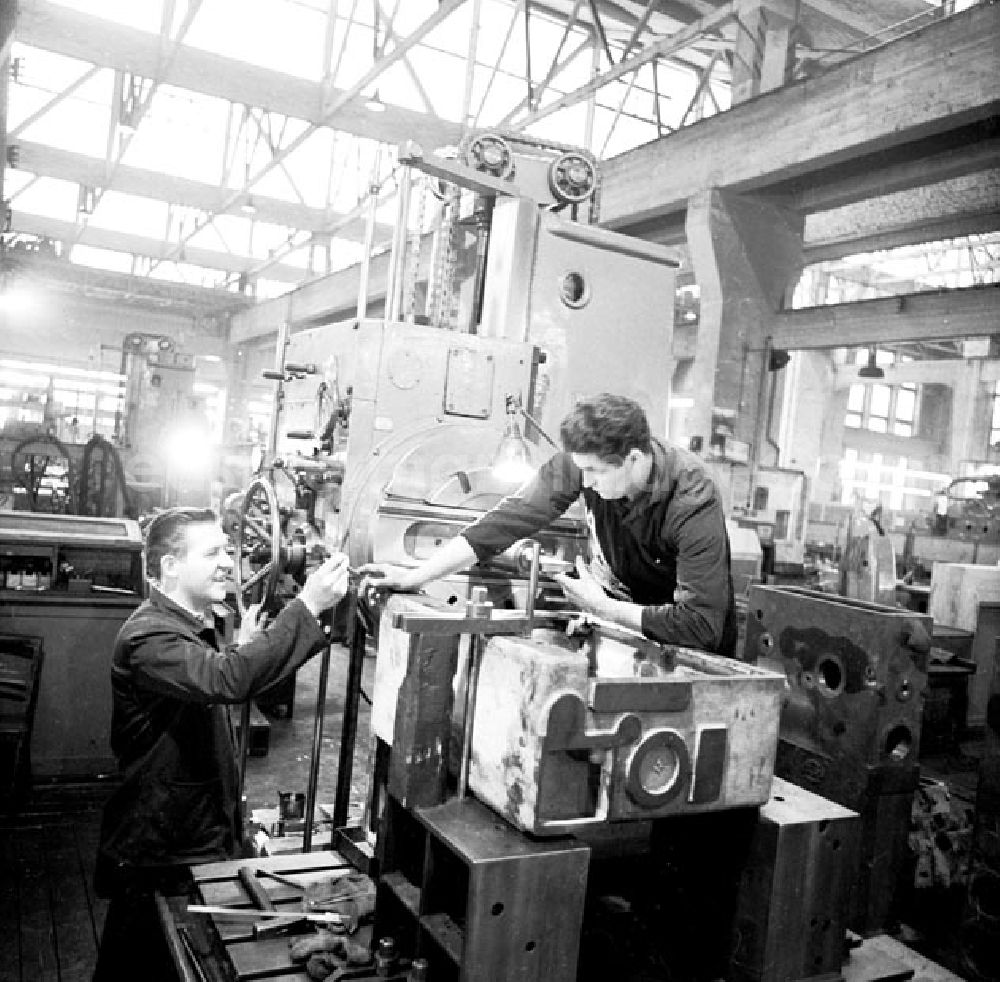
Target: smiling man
[[660, 553], [178, 801]]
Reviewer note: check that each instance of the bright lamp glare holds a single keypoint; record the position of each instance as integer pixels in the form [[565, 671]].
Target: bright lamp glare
[[15, 302], [188, 451]]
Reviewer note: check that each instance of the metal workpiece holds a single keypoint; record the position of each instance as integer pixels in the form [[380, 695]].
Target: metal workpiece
[[856, 673], [581, 729], [850, 725], [590, 730]]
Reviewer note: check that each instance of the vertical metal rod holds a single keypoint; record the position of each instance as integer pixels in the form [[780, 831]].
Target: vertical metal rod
[[244, 750], [527, 53], [397, 259], [349, 727], [595, 70], [470, 65], [536, 562], [317, 746], [373, 191], [279, 391], [471, 684], [484, 218]]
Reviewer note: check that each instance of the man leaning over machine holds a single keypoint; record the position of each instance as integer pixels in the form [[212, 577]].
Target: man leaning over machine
[[178, 800], [658, 534]]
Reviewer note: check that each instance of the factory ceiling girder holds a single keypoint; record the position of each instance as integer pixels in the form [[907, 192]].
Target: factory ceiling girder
[[56, 275], [877, 101], [945, 209], [66, 165], [101, 42], [323, 300], [153, 249], [937, 315]]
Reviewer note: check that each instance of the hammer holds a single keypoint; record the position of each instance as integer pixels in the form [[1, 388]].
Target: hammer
[[268, 927]]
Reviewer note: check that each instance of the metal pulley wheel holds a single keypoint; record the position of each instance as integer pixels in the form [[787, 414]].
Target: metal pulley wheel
[[572, 178], [492, 155]]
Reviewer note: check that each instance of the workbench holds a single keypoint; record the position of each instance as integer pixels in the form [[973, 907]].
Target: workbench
[[224, 949]]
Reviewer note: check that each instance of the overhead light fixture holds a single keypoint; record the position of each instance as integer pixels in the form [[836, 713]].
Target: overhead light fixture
[[512, 460], [374, 103], [871, 369]]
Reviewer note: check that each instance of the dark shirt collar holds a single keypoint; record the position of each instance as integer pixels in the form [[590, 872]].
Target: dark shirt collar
[[658, 487], [159, 599]]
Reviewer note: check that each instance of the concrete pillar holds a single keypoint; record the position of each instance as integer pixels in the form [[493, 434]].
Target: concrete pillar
[[746, 253], [763, 47]]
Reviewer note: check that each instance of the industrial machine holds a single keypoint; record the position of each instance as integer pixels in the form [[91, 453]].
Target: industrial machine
[[69, 583], [965, 528], [508, 748], [561, 734], [386, 431]]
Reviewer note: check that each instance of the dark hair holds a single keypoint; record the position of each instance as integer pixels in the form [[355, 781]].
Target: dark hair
[[165, 534], [607, 426]]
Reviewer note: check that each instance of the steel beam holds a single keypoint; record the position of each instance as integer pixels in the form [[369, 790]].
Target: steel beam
[[141, 245], [658, 49], [85, 281], [93, 39], [66, 165], [321, 301]]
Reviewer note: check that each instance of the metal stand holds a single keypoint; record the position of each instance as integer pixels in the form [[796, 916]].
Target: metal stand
[[349, 727], [317, 746]]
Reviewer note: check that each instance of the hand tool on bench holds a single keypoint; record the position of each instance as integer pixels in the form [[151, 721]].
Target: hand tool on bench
[[267, 927], [282, 918], [281, 878]]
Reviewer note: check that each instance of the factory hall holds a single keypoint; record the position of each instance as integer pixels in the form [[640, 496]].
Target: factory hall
[[499, 491]]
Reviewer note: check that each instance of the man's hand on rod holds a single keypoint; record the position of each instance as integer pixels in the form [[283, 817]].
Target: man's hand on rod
[[326, 585]]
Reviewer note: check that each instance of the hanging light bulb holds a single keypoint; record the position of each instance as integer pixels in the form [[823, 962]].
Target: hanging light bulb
[[512, 461]]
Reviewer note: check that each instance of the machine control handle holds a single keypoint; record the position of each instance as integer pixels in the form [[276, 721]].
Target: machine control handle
[[308, 369], [274, 376], [300, 435]]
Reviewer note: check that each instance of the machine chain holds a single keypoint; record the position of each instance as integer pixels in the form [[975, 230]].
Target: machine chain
[[409, 306], [441, 301]]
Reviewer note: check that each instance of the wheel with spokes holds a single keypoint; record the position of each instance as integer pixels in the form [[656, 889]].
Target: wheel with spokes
[[258, 546]]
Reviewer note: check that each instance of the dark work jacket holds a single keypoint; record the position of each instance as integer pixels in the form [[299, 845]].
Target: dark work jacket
[[668, 546], [178, 801]]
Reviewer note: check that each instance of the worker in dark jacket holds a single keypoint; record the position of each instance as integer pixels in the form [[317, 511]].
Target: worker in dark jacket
[[660, 562], [178, 800]]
